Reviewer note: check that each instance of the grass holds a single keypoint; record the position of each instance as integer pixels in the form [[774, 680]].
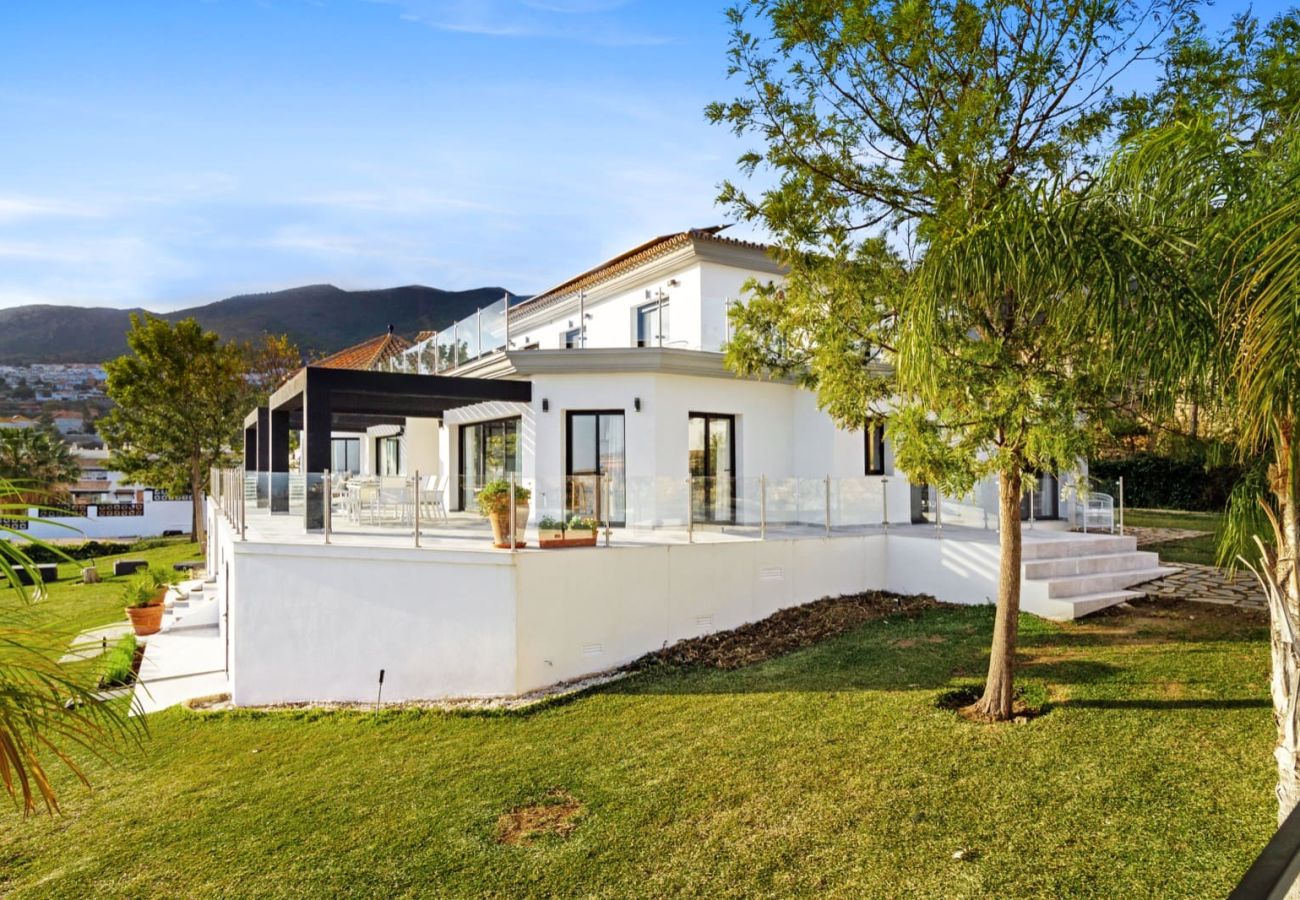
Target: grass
[[826, 771], [1202, 550], [118, 664], [73, 607]]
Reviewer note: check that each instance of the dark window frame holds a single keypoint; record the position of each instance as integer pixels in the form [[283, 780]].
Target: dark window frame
[[706, 416], [874, 435], [460, 450], [657, 308], [568, 451]]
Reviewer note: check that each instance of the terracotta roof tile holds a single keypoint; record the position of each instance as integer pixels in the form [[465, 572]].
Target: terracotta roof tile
[[629, 260], [366, 355]]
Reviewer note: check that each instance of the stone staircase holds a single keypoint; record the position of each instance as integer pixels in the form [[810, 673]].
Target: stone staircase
[[1071, 576], [190, 604]]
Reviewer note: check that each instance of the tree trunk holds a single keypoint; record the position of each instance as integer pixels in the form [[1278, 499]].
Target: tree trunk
[[1284, 620], [198, 528], [999, 689], [1195, 429]]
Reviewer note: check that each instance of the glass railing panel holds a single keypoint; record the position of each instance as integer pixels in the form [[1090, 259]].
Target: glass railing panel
[[492, 326]]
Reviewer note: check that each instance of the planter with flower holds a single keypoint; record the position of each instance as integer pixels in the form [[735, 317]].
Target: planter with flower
[[494, 505], [578, 531]]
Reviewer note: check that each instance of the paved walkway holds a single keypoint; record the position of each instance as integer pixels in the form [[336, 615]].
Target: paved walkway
[[92, 643], [180, 665], [1147, 535], [1209, 584]]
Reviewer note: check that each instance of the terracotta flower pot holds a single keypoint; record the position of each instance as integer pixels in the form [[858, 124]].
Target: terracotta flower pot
[[500, 519], [145, 619]]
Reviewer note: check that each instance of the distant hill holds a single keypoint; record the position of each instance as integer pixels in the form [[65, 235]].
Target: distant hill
[[319, 318]]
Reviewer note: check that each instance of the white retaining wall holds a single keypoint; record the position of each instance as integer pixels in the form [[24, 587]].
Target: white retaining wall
[[159, 516]]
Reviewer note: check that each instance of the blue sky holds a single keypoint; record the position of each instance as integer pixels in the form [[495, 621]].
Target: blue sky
[[174, 152]]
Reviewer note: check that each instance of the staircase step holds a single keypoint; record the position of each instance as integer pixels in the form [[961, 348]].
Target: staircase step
[[1059, 566], [1064, 609], [1077, 585], [1078, 545]]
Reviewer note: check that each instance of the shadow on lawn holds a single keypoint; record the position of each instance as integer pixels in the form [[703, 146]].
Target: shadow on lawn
[[1208, 703]]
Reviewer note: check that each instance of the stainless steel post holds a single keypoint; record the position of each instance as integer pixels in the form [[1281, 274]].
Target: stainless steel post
[[608, 484], [243, 524], [329, 505], [762, 507], [415, 513], [938, 510], [690, 510], [510, 531], [1121, 505], [884, 503], [478, 328], [828, 506]]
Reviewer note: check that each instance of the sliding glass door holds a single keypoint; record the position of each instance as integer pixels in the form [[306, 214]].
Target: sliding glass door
[[595, 450], [488, 451], [713, 467]]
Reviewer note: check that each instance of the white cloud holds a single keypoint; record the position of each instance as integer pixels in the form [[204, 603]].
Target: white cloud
[[18, 208], [583, 21]]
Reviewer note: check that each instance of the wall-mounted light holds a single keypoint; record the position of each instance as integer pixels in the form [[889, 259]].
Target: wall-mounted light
[[546, 405], [587, 316], [636, 404], [673, 282]]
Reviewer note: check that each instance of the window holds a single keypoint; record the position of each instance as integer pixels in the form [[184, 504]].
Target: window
[[573, 339], [875, 437], [345, 456], [652, 325], [596, 449], [388, 456], [488, 450]]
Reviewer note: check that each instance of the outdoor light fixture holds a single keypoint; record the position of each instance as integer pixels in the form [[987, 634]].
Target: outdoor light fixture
[[546, 405], [673, 282], [636, 404]]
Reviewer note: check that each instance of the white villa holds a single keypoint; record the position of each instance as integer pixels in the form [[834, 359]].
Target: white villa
[[720, 499]]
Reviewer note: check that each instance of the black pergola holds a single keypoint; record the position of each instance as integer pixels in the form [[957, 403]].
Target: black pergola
[[318, 401]]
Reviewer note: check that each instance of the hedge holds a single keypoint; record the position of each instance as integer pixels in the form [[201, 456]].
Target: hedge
[[1162, 482]]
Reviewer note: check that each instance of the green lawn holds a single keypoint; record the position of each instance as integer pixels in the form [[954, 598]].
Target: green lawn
[[74, 607], [1201, 550], [826, 771]]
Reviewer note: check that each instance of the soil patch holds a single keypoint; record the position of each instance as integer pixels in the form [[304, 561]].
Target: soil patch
[[557, 815], [787, 630]]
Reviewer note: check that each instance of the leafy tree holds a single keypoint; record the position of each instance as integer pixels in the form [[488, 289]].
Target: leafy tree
[[1218, 182], [37, 460], [270, 362], [181, 398], [926, 162]]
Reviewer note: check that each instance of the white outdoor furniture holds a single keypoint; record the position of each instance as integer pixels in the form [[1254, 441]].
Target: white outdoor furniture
[[433, 504]]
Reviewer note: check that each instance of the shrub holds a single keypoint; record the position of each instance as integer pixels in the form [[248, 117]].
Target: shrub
[[550, 523], [86, 550], [119, 663], [581, 523], [141, 591], [1163, 482]]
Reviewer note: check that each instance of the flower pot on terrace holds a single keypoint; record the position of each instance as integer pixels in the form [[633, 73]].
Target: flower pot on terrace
[[145, 619], [500, 519]]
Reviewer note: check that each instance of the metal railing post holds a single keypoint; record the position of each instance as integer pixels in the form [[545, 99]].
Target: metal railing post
[[690, 510], [938, 510], [828, 505], [329, 504], [511, 530], [243, 523], [762, 507], [415, 513], [608, 484], [1121, 506], [478, 330], [884, 503]]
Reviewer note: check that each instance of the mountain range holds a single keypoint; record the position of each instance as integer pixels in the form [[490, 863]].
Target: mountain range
[[319, 318]]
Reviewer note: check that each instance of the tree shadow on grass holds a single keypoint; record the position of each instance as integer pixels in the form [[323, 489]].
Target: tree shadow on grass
[[1153, 704]]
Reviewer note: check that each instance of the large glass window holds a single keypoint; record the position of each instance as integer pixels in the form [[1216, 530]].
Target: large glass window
[[345, 456], [573, 339], [388, 456], [596, 466], [652, 325], [488, 451], [713, 467]]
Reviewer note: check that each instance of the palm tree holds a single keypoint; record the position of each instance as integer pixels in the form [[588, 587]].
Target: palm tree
[[37, 459], [46, 713], [1228, 210]]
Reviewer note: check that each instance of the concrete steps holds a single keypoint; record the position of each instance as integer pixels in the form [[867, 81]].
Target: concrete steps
[[1065, 578]]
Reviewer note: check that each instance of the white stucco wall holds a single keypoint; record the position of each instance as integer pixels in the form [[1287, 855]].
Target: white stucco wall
[[159, 516]]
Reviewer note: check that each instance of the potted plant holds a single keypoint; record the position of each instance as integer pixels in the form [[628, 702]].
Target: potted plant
[[550, 532], [494, 504], [580, 532], [144, 604]]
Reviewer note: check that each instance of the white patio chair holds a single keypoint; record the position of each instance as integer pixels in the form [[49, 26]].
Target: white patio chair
[[433, 503]]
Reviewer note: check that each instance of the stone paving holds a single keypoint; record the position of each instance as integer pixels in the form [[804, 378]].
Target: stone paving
[[1208, 584], [1147, 535]]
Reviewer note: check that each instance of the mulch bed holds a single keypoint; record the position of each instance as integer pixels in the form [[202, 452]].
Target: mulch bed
[[787, 630]]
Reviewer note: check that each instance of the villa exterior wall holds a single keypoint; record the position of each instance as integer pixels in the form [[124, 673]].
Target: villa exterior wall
[[157, 516], [311, 623]]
